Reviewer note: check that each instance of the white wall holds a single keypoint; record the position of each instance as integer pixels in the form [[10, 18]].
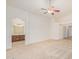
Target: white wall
[[56, 29], [8, 31], [11, 14], [37, 26], [67, 19]]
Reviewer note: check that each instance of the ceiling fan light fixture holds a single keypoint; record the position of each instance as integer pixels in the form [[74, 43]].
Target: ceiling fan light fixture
[[50, 11]]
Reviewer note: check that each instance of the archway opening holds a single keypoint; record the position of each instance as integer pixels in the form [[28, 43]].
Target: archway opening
[[18, 32]]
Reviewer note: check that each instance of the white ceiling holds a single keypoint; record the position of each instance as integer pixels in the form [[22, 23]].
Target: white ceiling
[[35, 6]]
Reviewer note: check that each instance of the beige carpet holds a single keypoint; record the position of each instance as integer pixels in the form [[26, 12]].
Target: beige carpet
[[50, 49]]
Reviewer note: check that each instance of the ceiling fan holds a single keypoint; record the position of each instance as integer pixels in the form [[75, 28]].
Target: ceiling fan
[[51, 9]]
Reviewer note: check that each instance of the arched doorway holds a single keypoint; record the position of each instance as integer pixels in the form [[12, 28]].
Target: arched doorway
[[18, 31]]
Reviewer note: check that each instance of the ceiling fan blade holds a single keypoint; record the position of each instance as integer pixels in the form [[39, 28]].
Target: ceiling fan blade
[[56, 10], [43, 9], [45, 12]]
